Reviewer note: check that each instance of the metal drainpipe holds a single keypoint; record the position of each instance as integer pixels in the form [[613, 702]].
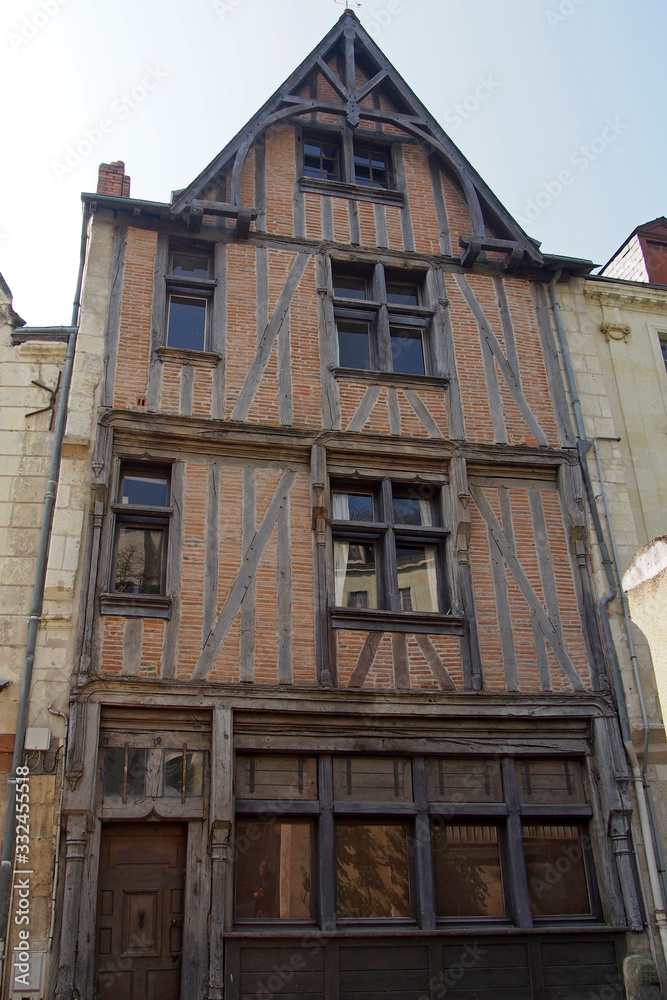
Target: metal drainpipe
[[642, 793], [633, 660], [59, 829], [6, 866]]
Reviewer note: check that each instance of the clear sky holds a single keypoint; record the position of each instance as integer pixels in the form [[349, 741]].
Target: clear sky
[[559, 105]]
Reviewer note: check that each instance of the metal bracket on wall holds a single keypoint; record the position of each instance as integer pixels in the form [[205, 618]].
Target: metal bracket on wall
[[52, 402]]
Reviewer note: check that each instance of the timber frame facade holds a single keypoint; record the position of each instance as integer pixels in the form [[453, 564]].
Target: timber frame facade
[[337, 612]]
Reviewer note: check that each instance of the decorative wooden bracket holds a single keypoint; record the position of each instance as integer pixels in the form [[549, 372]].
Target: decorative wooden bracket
[[472, 248], [197, 209]]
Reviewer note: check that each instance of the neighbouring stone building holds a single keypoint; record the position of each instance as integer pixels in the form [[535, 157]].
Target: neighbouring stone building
[[341, 720]]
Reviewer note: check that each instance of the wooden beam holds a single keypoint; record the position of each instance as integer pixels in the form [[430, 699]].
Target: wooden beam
[[244, 578], [253, 378], [537, 611]]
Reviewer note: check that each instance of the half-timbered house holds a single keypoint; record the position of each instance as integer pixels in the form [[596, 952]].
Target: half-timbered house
[[341, 723]]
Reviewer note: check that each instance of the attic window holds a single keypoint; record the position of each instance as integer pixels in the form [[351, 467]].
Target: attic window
[[321, 158]]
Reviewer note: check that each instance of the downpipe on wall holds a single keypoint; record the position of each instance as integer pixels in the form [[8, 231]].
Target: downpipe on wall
[[35, 617], [647, 822]]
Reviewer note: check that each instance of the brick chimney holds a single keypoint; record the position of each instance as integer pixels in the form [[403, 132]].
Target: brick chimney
[[113, 180]]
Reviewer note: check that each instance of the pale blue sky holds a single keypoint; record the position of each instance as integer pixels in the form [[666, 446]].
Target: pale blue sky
[[573, 88]]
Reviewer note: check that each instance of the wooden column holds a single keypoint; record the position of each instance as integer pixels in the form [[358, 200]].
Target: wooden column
[[219, 850], [78, 828]]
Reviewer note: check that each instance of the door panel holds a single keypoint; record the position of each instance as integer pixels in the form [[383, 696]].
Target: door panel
[[140, 911]]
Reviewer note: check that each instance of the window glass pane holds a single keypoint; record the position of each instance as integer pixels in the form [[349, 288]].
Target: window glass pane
[[372, 869], [372, 779], [273, 868], [402, 294], [114, 767], [407, 351], [352, 506], [466, 870], [173, 772], [275, 777], [412, 509], [555, 869], [663, 348], [145, 491], [353, 345], [190, 265], [347, 287], [139, 560], [354, 575], [463, 780], [370, 168], [187, 323], [417, 574], [320, 159], [549, 781]]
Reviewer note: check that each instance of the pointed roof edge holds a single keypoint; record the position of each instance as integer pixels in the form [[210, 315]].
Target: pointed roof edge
[[651, 222], [474, 188]]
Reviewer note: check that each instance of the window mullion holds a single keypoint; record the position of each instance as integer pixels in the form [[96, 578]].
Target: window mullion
[[383, 340], [423, 861], [516, 882], [389, 565], [326, 847]]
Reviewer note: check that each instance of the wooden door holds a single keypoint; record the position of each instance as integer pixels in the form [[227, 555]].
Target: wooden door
[[140, 911]]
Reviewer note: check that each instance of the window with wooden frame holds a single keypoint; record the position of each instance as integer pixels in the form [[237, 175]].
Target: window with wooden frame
[[382, 323], [422, 841], [141, 523], [166, 760], [332, 155], [189, 296], [388, 547]]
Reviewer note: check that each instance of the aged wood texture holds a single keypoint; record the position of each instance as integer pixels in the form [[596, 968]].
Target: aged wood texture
[[435, 663], [363, 411], [173, 626], [219, 332], [252, 380], [327, 341], [158, 323], [187, 390], [211, 563], [244, 578], [492, 351], [248, 615], [112, 330], [421, 411], [284, 588], [547, 627], [366, 657], [561, 407]]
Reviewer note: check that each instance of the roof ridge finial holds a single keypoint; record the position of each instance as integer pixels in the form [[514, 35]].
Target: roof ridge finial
[[357, 3]]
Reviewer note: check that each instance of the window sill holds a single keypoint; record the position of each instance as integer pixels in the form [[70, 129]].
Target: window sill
[[396, 379], [200, 359], [374, 620], [136, 605], [339, 189]]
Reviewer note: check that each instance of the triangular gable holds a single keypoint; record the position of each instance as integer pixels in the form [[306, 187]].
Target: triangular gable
[[355, 69]]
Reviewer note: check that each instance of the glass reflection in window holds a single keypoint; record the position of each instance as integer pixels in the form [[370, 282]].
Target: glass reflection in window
[[139, 560], [187, 322], [417, 576], [407, 351], [466, 870], [354, 574], [273, 869], [557, 882], [372, 869]]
